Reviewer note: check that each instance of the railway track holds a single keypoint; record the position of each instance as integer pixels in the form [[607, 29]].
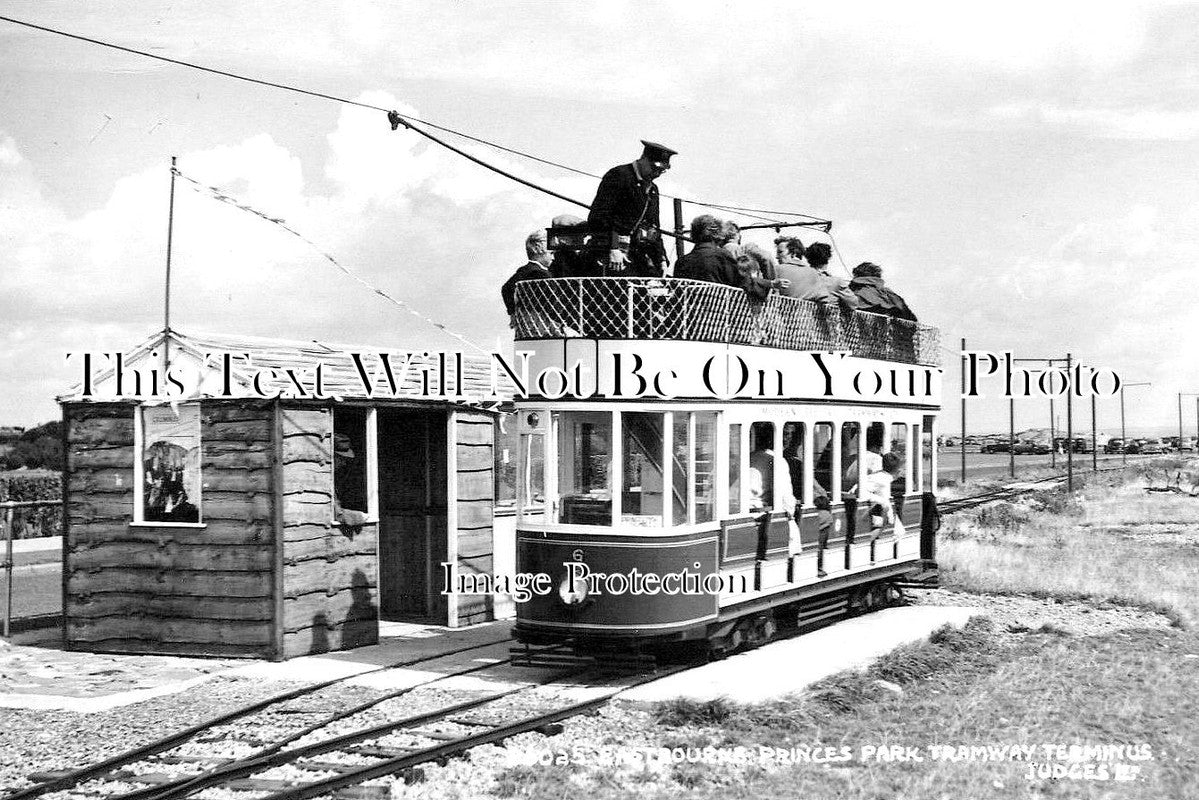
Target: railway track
[[337, 753], [1009, 491], [55, 781]]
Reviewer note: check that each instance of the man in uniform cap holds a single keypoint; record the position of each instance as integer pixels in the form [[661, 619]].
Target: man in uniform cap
[[626, 206]]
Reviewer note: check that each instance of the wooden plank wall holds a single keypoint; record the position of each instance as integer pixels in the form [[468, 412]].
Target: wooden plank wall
[[158, 589], [330, 586], [475, 503]]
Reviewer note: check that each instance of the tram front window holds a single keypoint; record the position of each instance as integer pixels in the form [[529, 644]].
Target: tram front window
[[584, 467], [643, 487]]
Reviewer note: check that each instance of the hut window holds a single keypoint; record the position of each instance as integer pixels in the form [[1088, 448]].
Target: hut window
[[169, 464], [353, 472]]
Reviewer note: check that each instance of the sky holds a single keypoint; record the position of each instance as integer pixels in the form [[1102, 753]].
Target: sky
[[1024, 172]]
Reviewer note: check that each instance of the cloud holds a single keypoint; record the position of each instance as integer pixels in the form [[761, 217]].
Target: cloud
[[1148, 124]]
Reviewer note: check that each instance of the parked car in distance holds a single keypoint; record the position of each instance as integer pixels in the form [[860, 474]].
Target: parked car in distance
[[1151, 446], [1115, 446], [1026, 448], [1132, 446], [996, 447]]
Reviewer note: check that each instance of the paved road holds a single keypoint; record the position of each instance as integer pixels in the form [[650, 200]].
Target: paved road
[[37, 589], [996, 465]]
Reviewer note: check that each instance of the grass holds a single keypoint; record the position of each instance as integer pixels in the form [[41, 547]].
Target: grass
[[1098, 544], [1108, 543]]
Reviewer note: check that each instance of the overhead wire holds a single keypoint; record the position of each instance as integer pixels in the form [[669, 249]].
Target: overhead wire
[[404, 119]]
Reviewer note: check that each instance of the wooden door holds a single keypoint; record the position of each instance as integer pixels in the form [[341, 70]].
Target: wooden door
[[412, 512]]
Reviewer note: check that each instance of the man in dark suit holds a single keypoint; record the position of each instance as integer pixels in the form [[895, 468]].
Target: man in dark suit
[[537, 267], [626, 208]]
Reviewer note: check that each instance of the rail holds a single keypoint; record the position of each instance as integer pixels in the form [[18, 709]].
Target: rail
[[10, 506], [698, 311]]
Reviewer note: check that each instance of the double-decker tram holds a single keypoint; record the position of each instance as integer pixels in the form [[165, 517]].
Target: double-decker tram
[[681, 449]]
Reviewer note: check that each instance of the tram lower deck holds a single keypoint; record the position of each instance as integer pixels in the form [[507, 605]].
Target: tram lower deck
[[678, 521]]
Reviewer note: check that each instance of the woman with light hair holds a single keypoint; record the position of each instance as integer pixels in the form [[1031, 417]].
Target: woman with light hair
[[730, 238]]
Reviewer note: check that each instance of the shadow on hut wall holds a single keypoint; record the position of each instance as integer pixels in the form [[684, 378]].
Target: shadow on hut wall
[[360, 627]]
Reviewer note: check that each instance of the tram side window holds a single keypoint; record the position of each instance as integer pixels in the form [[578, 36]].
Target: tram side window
[[585, 467], [793, 442], [642, 492], [926, 455], [735, 469], [822, 447], [851, 467], [899, 448], [679, 470], [705, 466], [761, 466]]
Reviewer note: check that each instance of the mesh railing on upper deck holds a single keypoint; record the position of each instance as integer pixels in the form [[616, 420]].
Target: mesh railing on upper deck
[[687, 310]]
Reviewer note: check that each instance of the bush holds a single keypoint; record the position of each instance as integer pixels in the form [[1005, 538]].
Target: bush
[[31, 523], [1003, 516]]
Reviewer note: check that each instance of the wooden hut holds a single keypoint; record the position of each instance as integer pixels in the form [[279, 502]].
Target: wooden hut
[[234, 522]]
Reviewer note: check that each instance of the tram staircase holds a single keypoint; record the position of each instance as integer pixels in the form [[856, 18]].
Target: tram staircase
[[647, 433]]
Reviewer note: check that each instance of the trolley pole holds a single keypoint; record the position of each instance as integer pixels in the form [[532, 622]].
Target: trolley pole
[[166, 304], [678, 228], [1069, 425], [963, 442]]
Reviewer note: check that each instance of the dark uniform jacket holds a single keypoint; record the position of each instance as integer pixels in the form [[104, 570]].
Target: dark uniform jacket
[[874, 296], [624, 204], [530, 271], [707, 261], [710, 262]]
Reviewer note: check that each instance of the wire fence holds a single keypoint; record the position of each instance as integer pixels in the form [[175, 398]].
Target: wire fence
[[698, 311]]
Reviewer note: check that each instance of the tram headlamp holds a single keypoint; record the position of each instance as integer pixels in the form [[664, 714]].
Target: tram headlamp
[[572, 592]]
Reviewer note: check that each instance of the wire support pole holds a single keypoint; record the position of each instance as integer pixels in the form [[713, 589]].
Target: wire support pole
[[1094, 437], [1069, 425], [963, 441]]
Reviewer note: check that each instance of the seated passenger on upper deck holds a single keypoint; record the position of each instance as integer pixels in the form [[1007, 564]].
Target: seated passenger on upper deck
[[807, 282], [818, 255], [758, 272], [873, 294], [708, 261]]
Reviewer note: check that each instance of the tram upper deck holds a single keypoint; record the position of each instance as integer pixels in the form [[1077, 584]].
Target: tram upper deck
[[672, 309]]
